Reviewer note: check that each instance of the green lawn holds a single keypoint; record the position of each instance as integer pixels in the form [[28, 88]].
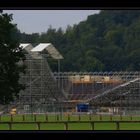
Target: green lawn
[[71, 126]]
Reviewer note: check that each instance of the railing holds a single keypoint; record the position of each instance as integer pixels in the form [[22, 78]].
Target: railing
[[113, 89], [66, 126], [69, 120], [79, 115]]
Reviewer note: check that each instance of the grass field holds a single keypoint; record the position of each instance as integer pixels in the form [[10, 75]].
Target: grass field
[[71, 126]]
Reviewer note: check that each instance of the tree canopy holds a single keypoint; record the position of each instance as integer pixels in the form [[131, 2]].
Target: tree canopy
[[10, 55], [108, 41]]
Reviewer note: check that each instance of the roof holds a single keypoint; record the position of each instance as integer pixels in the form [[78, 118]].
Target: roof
[[24, 45], [40, 47], [49, 48]]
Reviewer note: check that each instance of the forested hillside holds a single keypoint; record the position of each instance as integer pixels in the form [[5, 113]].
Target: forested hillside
[[108, 41]]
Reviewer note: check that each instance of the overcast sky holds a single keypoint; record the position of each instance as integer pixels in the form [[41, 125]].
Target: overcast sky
[[31, 21]]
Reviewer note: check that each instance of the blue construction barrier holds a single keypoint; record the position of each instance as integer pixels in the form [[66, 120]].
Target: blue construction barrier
[[82, 107]]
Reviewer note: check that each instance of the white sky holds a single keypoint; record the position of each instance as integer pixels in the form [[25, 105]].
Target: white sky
[[32, 21]]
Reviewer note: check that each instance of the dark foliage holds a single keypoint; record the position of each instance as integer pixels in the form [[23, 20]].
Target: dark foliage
[[10, 55], [108, 41]]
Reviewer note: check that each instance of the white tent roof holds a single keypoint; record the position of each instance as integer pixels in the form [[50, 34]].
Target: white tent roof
[[49, 48], [24, 45], [40, 47]]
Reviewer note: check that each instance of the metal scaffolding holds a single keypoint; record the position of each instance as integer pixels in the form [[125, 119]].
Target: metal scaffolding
[[118, 92], [114, 90], [42, 93]]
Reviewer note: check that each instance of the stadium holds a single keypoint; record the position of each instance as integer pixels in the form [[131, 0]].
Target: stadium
[[76, 96]]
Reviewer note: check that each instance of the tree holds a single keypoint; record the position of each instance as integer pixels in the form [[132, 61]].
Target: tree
[[109, 41], [10, 55]]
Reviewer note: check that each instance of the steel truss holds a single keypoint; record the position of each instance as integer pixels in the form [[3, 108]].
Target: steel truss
[[46, 91], [102, 89], [42, 93]]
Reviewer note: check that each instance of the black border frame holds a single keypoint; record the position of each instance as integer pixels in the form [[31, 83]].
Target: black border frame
[[68, 5]]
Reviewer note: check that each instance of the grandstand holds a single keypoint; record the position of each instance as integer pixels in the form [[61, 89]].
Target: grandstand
[[113, 90]]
